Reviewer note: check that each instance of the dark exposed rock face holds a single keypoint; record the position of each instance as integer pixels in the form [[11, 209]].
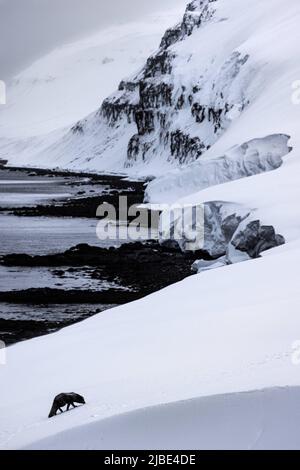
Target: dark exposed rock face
[[128, 86], [185, 148], [155, 95], [193, 18], [220, 232], [114, 110], [229, 226], [159, 64], [256, 238], [207, 113]]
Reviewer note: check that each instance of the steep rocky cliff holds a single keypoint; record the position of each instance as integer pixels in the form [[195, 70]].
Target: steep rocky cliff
[[169, 113], [176, 116]]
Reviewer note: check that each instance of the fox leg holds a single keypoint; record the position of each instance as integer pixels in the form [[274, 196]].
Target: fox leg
[[61, 410]]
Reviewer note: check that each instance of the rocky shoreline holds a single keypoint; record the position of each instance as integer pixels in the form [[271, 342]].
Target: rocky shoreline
[[140, 269], [85, 201]]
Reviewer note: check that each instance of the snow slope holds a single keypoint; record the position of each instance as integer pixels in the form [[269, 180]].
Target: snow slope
[[73, 80], [201, 424], [180, 343]]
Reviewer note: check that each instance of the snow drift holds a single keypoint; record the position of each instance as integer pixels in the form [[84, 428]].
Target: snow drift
[[251, 158], [206, 423]]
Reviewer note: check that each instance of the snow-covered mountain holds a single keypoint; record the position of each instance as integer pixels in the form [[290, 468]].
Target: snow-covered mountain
[[195, 97], [72, 80], [212, 115]]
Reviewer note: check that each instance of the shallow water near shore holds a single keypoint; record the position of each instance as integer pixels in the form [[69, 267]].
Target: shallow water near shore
[[41, 236], [58, 269]]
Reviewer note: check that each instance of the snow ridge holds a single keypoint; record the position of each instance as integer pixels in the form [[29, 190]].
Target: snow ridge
[[251, 158]]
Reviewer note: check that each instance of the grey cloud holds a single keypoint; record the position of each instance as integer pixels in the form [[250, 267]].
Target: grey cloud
[[30, 28]]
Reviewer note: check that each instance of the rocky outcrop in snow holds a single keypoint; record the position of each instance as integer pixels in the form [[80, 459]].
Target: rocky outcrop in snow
[[175, 120], [221, 233], [256, 238], [197, 13], [224, 233]]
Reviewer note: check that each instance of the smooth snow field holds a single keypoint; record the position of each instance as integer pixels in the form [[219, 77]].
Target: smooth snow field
[[220, 332], [239, 421]]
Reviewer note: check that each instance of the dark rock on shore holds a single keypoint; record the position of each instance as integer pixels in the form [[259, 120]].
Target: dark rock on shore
[[40, 319], [86, 255], [13, 331], [256, 238], [83, 206], [59, 296], [144, 267], [141, 269]]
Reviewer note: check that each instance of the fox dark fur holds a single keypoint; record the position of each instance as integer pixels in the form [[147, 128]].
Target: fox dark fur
[[64, 399]]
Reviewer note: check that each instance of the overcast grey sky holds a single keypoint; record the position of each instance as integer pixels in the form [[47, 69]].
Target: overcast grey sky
[[30, 28]]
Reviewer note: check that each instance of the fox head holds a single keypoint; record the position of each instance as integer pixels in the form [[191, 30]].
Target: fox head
[[79, 399]]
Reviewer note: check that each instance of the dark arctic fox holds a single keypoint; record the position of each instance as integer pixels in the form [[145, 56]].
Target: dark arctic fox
[[64, 399]]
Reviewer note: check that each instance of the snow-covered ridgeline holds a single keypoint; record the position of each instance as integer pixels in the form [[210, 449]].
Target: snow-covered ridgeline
[[169, 113]]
